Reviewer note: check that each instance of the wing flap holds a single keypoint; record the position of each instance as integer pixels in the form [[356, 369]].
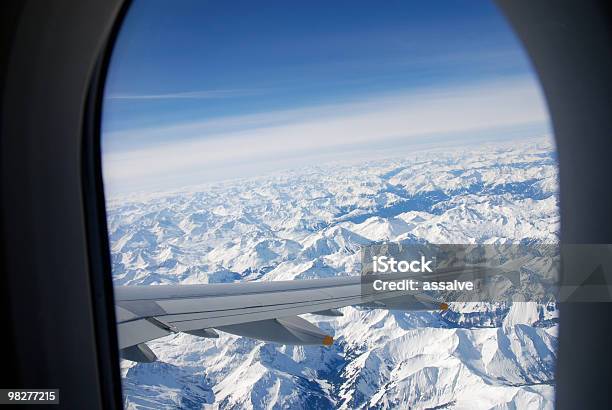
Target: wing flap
[[291, 330], [139, 331], [204, 320]]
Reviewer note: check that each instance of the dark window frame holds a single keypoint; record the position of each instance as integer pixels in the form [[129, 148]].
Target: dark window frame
[[54, 61]]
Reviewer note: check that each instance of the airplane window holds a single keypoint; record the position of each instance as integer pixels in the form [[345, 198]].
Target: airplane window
[[252, 150]]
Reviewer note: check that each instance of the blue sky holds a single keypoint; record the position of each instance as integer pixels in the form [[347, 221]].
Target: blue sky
[[234, 80]]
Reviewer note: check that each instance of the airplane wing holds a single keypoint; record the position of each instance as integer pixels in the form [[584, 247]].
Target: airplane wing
[[265, 311]]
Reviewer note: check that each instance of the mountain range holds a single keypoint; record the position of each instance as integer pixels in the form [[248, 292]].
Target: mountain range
[[310, 223]]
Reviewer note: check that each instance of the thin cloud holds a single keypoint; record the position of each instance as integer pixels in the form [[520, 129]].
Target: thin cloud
[[190, 95], [195, 152]]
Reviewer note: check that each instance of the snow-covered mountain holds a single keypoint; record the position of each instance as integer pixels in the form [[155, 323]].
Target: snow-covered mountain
[[310, 223]]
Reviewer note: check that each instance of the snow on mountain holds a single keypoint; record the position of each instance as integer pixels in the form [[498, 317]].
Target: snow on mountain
[[160, 384], [310, 223]]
